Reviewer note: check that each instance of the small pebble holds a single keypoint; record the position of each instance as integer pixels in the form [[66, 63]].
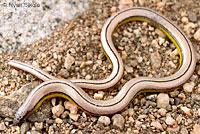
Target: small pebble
[[74, 116], [189, 27], [57, 110], [128, 69], [196, 129], [139, 59], [181, 96], [143, 39], [88, 77], [48, 69], [5, 82], [124, 55], [2, 126], [179, 118], [51, 130], [198, 90], [38, 125], [197, 35], [157, 125], [152, 97], [113, 9], [170, 121], [131, 119], [155, 60], [53, 101], [104, 120], [161, 40], [130, 112], [64, 114], [24, 127], [69, 60], [192, 16], [71, 107], [174, 93], [125, 4], [12, 85], [138, 124], [141, 2], [188, 87], [199, 112], [184, 131], [151, 116], [99, 95], [35, 64], [173, 130], [67, 132], [118, 121], [186, 110], [185, 20], [58, 121], [162, 112], [14, 72], [142, 116], [160, 33], [162, 100]]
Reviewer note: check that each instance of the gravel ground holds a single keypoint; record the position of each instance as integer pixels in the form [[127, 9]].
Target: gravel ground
[[145, 51], [24, 22]]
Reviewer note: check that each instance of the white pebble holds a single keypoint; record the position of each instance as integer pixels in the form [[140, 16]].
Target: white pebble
[[170, 121], [185, 20], [186, 110], [57, 110], [2, 126], [155, 60], [113, 9], [69, 60], [161, 40], [74, 116], [163, 100], [14, 72], [99, 95], [118, 121], [48, 68], [35, 64], [172, 64], [137, 33], [99, 62], [128, 69], [104, 120], [39, 125], [188, 87], [55, 56], [125, 4], [139, 59], [157, 125], [71, 107], [58, 121], [162, 112], [88, 77]]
